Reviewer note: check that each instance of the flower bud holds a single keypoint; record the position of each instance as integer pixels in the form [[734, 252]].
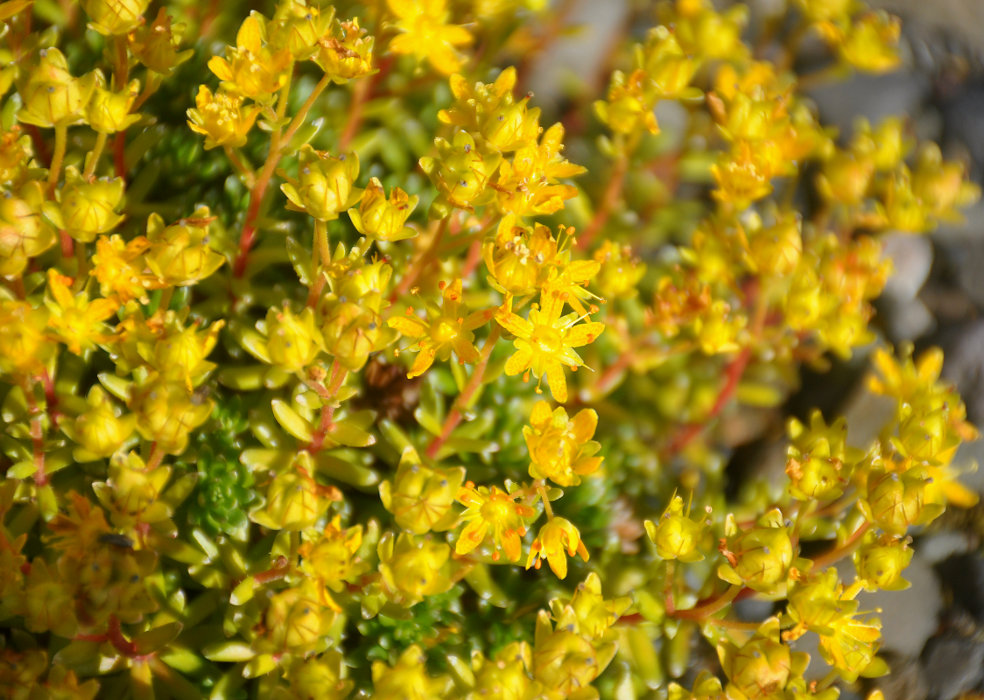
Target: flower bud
[[86, 209], [762, 666], [846, 177], [108, 112], [15, 155], [518, 257], [346, 56], [24, 233], [880, 563], [155, 45], [420, 497], [114, 17], [382, 219], [51, 96], [24, 346], [298, 26], [675, 534], [131, 492], [414, 567], [325, 185], [251, 69], [179, 254], [352, 331], [296, 619], [620, 271], [167, 414], [100, 431], [293, 341], [294, 500], [759, 557], [564, 661], [895, 501]]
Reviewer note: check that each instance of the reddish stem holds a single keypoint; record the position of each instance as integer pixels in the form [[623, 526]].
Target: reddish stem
[[732, 376], [709, 606], [40, 145], [608, 201], [119, 154], [455, 416], [338, 374], [841, 550], [116, 638], [277, 571]]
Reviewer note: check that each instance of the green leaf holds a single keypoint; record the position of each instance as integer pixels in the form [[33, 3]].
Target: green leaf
[[22, 470], [291, 421], [157, 638], [233, 650]]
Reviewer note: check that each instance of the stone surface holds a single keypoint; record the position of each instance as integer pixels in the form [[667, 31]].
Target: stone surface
[[953, 663]]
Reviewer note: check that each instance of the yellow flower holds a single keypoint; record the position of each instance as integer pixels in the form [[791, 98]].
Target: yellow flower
[[252, 69], [870, 42], [461, 172], [384, 219], [491, 509], [221, 118], [52, 96], [491, 111], [545, 343], [425, 33], [527, 185], [347, 57], [108, 112], [619, 271], [629, 105], [76, 321], [325, 185], [446, 330], [294, 500], [113, 17], [119, 268], [519, 257], [561, 448], [332, 557], [557, 540], [86, 208]]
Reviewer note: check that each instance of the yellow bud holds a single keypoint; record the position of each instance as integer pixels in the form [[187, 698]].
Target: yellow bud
[[179, 254], [24, 233], [325, 185], [167, 414], [100, 431], [414, 567], [155, 45], [676, 535], [51, 96], [293, 341], [86, 208], [24, 346], [880, 563], [382, 219], [113, 17], [108, 111], [351, 332], [294, 500], [297, 619], [420, 497], [565, 662], [347, 55], [298, 26]]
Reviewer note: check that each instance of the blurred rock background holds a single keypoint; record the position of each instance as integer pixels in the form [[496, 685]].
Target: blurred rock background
[[934, 631]]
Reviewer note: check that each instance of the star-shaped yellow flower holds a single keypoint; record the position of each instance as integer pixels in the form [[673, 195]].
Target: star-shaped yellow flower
[[545, 342], [442, 332], [426, 34]]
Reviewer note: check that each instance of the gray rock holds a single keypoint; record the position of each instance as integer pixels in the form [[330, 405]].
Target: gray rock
[[954, 664]]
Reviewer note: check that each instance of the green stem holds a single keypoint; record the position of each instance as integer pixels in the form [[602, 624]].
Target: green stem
[[94, 155]]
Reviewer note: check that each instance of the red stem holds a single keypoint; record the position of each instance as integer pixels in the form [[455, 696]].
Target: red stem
[[732, 376], [338, 374], [611, 196], [455, 416]]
